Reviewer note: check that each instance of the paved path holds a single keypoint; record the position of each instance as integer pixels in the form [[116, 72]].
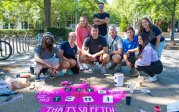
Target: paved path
[[164, 91]]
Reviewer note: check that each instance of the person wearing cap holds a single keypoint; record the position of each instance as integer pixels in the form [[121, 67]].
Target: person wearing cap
[[101, 19], [48, 56]]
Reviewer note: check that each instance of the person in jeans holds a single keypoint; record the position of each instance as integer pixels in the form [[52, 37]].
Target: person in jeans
[[69, 52], [94, 49], [129, 44], [154, 34], [115, 44], [46, 55], [148, 60]]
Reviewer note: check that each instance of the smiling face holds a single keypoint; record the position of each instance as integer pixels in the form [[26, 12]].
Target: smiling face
[[72, 37], [112, 31], [83, 21], [145, 23], [140, 40]]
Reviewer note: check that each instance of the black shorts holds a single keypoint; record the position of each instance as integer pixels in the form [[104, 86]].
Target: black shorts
[[111, 55]]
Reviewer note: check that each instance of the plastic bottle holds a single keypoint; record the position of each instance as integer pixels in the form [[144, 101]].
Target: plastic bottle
[[42, 78]]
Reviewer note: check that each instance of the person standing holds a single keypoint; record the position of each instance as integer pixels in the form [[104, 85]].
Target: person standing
[[154, 34], [148, 60], [101, 19], [83, 30]]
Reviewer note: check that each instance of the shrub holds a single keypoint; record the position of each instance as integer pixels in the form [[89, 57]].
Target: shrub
[[123, 24], [59, 32]]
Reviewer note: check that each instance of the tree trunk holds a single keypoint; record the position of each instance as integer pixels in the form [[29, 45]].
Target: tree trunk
[[173, 21], [47, 4]]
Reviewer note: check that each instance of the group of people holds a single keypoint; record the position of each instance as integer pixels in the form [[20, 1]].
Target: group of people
[[98, 44]]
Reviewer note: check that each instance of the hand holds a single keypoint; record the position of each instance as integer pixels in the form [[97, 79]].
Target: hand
[[128, 53], [92, 58], [136, 66], [128, 64]]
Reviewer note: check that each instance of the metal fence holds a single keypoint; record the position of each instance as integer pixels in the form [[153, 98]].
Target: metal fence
[[19, 44]]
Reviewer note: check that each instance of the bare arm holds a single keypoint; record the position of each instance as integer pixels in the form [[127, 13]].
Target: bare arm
[[133, 50], [119, 51], [84, 51], [101, 21], [104, 50], [125, 56]]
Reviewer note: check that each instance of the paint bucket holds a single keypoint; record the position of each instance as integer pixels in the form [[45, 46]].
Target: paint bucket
[[118, 79]]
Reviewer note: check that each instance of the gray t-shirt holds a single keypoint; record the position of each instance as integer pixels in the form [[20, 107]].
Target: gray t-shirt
[[95, 45], [116, 44], [45, 54]]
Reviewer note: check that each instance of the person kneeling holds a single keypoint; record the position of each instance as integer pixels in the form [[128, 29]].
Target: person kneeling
[[148, 60], [69, 52], [44, 55], [115, 44], [97, 47]]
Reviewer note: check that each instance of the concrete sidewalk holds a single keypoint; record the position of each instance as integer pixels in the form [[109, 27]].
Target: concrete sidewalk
[[164, 91]]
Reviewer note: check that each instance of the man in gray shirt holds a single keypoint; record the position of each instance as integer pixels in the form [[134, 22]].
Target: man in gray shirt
[[47, 56], [115, 44]]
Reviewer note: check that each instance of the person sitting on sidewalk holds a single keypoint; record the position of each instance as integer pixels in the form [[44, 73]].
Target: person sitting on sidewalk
[[69, 52], [49, 57], [148, 60], [130, 43], [97, 47], [115, 44]]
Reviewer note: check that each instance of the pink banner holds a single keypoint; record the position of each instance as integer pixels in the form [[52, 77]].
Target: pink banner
[[79, 109]]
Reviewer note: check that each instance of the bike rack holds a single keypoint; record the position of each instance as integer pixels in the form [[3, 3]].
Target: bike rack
[[19, 44]]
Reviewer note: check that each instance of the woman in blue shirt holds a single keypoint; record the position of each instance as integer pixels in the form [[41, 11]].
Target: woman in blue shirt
[[154, 34], [69, 51]]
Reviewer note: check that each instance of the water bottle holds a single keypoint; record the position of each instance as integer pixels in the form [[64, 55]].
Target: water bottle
[[42, 78]]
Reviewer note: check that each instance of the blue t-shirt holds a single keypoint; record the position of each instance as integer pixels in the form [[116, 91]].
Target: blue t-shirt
[[102, 28], [95, 45], [155, 32], [127, 45], [68, 52]]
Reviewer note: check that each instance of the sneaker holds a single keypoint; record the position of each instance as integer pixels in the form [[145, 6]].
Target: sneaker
[[69, 72], [60, 73], [103, 70], [119, 68], [152, 79], [81, 67], [113, 65], [85, 67]]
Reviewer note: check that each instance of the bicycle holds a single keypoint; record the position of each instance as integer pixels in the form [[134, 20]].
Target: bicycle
[[5, 50]]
